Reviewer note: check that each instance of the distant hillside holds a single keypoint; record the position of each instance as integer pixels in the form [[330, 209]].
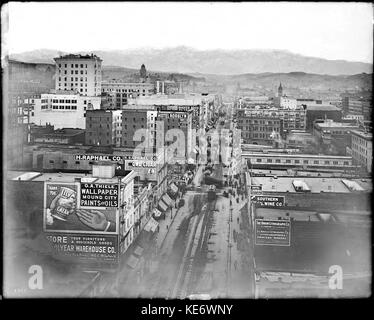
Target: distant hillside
[[129, 74], [188, 60], [305, 80]]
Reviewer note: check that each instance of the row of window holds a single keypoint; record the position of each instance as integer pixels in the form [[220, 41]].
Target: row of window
[[123, 90], [296, 161], [65, 101], [256, 128], [73, 72], [65, 107], [76, 65], [72, 79]]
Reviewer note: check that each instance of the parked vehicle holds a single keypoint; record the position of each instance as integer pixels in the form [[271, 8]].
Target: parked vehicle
[[212, 193]]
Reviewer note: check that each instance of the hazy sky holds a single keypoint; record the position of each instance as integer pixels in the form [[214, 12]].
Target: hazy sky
[[327, 30]]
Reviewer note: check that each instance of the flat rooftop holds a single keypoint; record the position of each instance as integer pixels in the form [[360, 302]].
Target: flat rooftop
[[331, 124], [315, 184], [78, 56], [59, 177], [269, 153], [322, 107], [298, 173], [315, 245], [363, 134], [313, 215]]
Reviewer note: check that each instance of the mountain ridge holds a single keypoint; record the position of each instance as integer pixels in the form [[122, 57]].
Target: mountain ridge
[[220, 62]]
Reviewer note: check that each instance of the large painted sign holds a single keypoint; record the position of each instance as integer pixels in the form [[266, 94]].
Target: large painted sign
[[268, 201], [63, 211], [272, 232], [77, 233]]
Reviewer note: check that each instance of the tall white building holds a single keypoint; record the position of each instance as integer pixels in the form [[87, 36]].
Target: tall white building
[[362, 148], [63, 109], [79, 73]]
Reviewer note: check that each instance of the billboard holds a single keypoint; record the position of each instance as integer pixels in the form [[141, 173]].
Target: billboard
[[272, 232], [145, 168], [99, 195], [90, 157], [97, 249], [268, 201], [256, 187], [63, 212]]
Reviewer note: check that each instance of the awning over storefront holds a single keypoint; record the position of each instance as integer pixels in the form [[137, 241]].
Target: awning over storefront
[[174, 188], [157, 213], [166, 198], [151, 225], [138, 251], [162, 205], [132, 261]]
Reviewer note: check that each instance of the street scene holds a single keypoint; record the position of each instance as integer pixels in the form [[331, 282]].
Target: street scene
[[192, 159]]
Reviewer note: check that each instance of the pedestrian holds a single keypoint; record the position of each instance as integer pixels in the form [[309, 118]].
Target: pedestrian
[[235, 264], [167, 227]]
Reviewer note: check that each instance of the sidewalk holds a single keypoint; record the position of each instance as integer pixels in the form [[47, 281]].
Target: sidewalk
[[239, 278]]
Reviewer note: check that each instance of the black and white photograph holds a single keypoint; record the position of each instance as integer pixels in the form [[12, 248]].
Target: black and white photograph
[[187, 151]]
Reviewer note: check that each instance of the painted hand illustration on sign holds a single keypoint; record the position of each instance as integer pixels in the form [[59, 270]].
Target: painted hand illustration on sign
[[95, 219]]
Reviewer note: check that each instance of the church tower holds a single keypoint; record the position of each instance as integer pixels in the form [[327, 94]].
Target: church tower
[[280, 90], [143, 72]]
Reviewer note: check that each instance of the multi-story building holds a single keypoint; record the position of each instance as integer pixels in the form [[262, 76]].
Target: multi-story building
[[120, 218], [362, 148], [305, 141], [135, 119], [63, 109], [79, 73], [15, 133], [334, 137], [321, 112], [285, 102], [291, 119], [202, 106], [358, 104], [67, 136], [120, 92], [103, 127], [258, 128], [180, 120], [271, 160]]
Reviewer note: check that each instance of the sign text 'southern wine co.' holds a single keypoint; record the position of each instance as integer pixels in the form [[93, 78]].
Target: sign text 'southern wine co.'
[[268, 201]]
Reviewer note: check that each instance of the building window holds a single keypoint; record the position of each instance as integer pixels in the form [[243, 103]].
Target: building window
[[269, 160], [77, 162], [316, 162], [258, 160], [288, 161], [327, 162], [305, 161]]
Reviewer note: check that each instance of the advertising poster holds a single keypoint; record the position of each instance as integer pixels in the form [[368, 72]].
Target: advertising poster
[[97, 249], [63, 213], [268, 201], [99, 195], [146, 169], [272, 232]]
